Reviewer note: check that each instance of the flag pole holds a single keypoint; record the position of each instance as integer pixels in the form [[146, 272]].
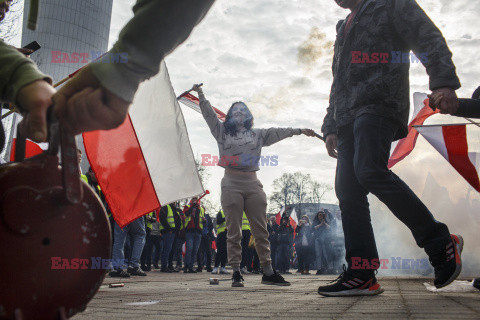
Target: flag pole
[[188, 91]]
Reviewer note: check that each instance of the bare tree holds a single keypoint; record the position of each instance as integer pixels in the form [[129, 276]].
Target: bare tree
[[317, 192], [297, 188], [301, 185], [10, 26], [283, 190]]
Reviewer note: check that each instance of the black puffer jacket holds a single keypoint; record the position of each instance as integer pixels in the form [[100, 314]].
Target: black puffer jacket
[[389, 27]]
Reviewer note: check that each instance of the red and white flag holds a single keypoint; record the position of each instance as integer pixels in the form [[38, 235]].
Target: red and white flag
[[293, 219], [421, 112], [451, 142], [148, 160], [191, 101]]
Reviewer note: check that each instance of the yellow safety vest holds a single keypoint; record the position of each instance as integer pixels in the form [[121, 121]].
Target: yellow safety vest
[[221, 227], [170, 219], [245, 223], [149, 224], [200, 219], [84, 178]]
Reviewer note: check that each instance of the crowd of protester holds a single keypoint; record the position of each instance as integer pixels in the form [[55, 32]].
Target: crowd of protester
[[312, 245], [176, 238]]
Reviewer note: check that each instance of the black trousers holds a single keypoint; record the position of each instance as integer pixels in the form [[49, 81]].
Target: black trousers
[[221, 257], [363, 152], [204, 255]]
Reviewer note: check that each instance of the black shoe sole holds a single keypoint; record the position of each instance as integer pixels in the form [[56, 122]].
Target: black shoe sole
[[352, 292], [238, 285], [276, 283]]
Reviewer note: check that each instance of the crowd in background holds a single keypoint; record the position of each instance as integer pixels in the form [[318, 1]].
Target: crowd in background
[[174, 239]]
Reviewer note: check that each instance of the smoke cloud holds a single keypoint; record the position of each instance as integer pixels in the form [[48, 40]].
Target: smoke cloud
[[314, 48]]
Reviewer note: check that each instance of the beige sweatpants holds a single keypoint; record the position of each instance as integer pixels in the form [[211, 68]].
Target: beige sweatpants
[[245, 193]]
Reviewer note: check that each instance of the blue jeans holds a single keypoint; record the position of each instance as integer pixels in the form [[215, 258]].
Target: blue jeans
[[363, 152], [136, 230], [322, 252], [193, 242], [167, 247]]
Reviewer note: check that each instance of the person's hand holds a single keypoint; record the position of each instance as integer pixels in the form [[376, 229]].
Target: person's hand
[[82, 104], [34, 100], [447, 100], [308, 132], [197, 88], [434, 100], [25, 51], [331, 145]]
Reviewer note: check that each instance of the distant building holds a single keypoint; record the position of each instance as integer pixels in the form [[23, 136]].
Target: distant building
[[66, 29], [71, 34]]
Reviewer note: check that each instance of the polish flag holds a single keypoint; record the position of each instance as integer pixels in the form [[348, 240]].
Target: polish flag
[[278, 216], [192, 102], [403, 147], [293, 219], [148, 160], [451, 142]]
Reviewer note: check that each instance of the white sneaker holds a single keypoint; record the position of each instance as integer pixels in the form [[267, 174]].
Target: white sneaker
[[215, 271], [224, 271]]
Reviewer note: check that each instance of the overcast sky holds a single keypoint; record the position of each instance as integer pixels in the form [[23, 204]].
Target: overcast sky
[[276, 55]]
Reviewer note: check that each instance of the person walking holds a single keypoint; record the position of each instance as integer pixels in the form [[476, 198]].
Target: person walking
[[368, 110]]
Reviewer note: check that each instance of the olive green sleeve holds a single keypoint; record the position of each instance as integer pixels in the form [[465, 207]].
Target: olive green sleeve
[[16, 71]]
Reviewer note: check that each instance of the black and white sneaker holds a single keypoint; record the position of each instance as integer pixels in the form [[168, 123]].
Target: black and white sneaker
[[448, 265], [275, 279], [136, 271], [118, 273], [347, 285], [237, 279]]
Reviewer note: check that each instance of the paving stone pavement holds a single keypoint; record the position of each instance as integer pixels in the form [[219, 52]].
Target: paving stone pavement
[[190, 296]]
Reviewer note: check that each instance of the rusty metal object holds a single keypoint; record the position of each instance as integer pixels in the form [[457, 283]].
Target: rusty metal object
[[54, 237]]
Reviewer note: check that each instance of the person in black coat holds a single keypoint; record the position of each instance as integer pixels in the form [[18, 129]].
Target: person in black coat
[[284, 245]]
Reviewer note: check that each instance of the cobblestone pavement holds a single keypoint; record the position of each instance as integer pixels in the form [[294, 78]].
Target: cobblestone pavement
[[190, 296]]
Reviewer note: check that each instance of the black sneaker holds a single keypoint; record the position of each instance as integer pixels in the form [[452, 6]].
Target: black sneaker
[[156, 266], [118, 273], [476, 283], [136, 272], [237, 279], [275, 279], [347, 285], [448, 265], [165, 270]]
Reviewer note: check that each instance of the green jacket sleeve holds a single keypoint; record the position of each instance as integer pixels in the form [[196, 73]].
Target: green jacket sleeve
[[16, 71], [156, 29]]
